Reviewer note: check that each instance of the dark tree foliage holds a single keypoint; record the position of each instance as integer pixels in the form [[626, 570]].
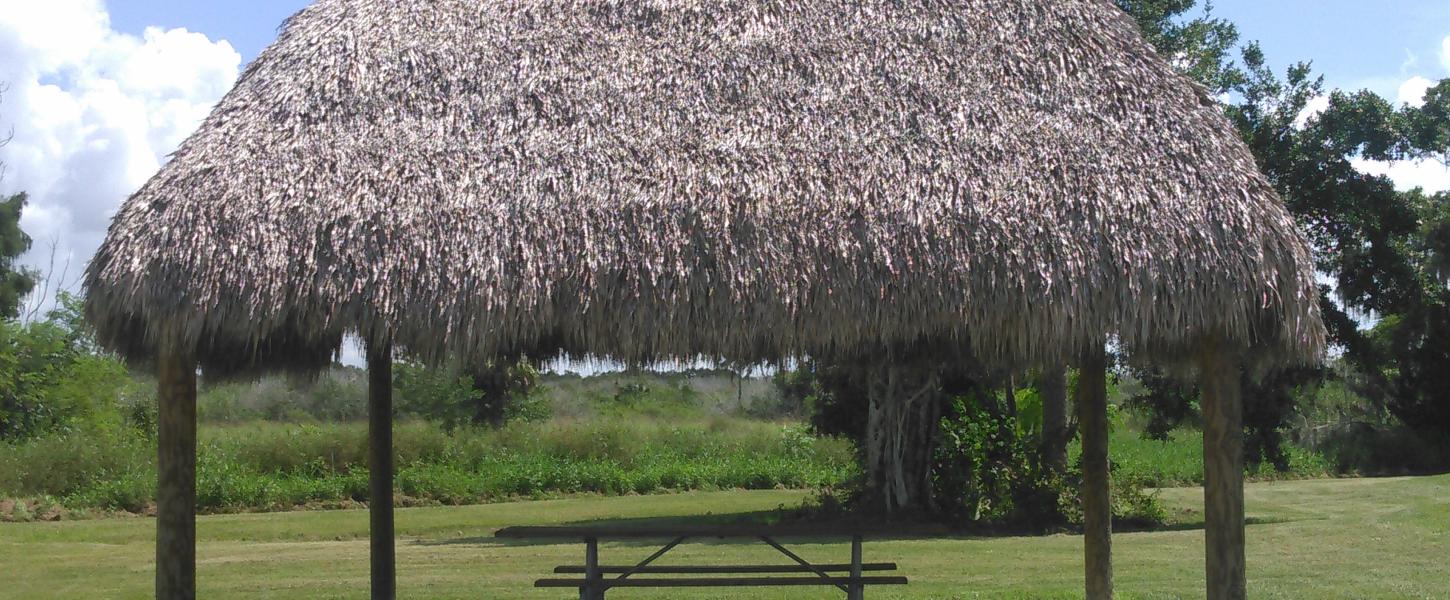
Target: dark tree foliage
[[1273, 403], [50, 379], [796, 388], [487, 396], [836, 394], [897, 454], [1200, 47], [1387, 251], [987, 470], [1168, 402], [497, 384], [839, 400], [15, 281]]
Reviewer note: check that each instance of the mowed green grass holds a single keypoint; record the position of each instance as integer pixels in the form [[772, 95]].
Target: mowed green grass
[[1345, 538]]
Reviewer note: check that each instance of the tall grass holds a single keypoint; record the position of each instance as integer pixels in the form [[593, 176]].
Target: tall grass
[[269, 466], [1178, 461]]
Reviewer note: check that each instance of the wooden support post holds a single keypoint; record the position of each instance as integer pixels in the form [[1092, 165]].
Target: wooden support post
[[592, 575], [858, 591], [175, 476], [1097, 510], [1223, 474], [1054, 418], [380, 470]]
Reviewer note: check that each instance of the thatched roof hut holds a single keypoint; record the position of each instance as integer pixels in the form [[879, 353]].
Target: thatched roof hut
[[741, 179], [1013, 180]]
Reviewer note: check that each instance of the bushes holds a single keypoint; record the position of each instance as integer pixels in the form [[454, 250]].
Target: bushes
[[987, 469], [984, 461], [1369, 449], [989, 472], [338, 394], [49, 384], [117, 465], [272, 466], [490, 394]]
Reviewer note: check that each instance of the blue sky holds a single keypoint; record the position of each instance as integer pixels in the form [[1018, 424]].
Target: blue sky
[[1353, 43], [248, 25]]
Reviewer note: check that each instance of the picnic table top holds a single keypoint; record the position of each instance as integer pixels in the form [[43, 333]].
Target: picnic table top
[[581, 532]]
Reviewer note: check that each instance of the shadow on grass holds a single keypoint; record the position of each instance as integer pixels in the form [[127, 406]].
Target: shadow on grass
[[874, 530], [1197, 524]]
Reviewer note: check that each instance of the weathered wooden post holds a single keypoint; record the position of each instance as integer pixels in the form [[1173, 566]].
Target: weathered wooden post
[[856, 590], [1097, 509], [380, 470], [175, 476], [592, 589], [1054, 417], [1223, 473]]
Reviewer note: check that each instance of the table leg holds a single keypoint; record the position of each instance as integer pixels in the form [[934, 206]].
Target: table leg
[[592, 589], [858, 591]]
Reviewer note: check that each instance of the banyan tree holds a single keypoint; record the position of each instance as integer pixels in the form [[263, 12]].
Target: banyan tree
[[1018, 181]]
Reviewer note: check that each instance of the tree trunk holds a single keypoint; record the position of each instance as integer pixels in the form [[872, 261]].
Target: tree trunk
[[1092, 410], [1223, 474], [175, 477], [1009, 393], [901, 427], [380, 470], [491, 406], [1055, 433]]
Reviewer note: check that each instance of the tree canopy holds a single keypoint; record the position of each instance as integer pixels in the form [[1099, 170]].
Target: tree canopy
[[15, 280], [1386, 251]]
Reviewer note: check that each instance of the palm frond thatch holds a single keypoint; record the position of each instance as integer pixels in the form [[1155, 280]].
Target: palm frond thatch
[[739, 178]]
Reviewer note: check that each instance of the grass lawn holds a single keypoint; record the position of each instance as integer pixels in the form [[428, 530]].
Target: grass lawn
[[1347, 538]]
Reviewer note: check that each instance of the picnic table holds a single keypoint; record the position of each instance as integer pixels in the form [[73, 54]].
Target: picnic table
[[594, 583]]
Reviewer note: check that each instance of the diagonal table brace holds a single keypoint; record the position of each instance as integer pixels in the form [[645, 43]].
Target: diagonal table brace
[[652, 557], [800, 560]]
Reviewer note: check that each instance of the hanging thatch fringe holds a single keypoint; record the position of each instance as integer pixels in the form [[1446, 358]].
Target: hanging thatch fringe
[[747, 179]]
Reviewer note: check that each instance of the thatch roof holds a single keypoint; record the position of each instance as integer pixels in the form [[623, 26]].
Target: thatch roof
[[744, 179]]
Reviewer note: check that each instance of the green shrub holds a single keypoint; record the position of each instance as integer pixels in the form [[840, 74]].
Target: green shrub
[[488, 395], [987, 469], [270, 466], [1177, 460], [50, 384], [1368, 449], [338, 394]]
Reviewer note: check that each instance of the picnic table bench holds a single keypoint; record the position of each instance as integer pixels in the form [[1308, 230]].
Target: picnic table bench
[[849, 577]]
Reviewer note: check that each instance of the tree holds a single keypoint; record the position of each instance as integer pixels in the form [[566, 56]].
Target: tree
[[51, 380], [1171, 403], [15, 281], [1201, 47], [1387, 251], [1056, 429], [498, 385], [891, 409], [482, 397]]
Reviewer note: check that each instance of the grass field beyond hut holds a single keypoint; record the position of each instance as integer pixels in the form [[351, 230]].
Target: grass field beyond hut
[[1344, 538]]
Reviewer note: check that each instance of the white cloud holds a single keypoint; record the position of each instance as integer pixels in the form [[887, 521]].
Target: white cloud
[[1445, 53], [1429, 174], [1412, 60], [1412, 91], [94, 114], [1312, 109]]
